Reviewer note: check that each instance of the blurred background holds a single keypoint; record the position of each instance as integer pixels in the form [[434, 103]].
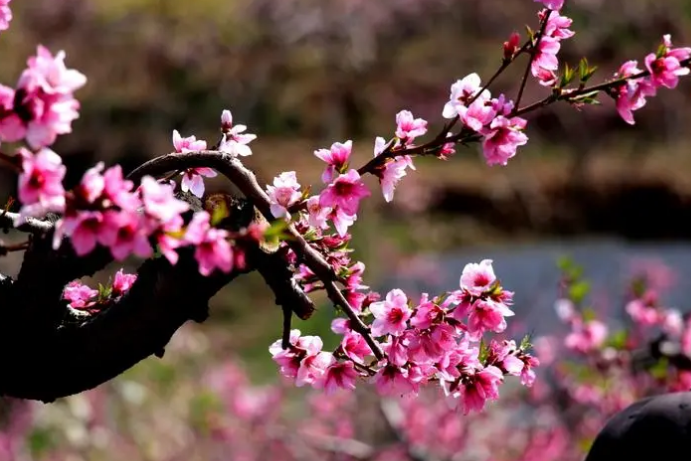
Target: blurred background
[[305, 73]]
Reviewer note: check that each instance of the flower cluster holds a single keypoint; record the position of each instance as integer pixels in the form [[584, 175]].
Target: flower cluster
[[192, 178], [84, 298], [42, 105], [235, 141], [489, 117], [5, 14], [437, 340], [664, 69], [105, 209], [545, 62]]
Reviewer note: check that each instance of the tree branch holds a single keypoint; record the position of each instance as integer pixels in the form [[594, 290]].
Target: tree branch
[[81, 354], [8, 220], [48, 352], [233, 169]]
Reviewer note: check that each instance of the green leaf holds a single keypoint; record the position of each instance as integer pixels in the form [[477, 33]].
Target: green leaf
[[585, 444], [277, 230], [495, 289], [618, 340], [589, 314], [306, 192], [567, 77], [589, 74], [661, 51], [570, 269], [484, 351], [219, 213], [440, 298], [104, 292], [586, 98], [638, 286], [40, 441], [583, 67], [585, 71], [661, 369], [578, 291], [274, 234], [525, 343], [202, 406]]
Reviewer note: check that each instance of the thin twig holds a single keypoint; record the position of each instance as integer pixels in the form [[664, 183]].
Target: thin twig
[[441, 139], [4, 249], [533, 51], [287, 317], [568, 94], [10, 161]]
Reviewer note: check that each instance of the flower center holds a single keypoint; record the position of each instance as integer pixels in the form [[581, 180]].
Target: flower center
[[343, 188]]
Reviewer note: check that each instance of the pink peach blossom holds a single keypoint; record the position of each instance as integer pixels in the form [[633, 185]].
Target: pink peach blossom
[[555, 5], [483, 386], [189, 144], [339, 375], [345, 193], [212, 249], [488, 316], [462, 92], [159, 200], [124, 233], [408, 127], [502, 138], [123, 282], [5, 15], [193, 180], [79, 295], [284, 193], [478, 278], [336, 159], [235, 140], [390, 315], [40, 183]]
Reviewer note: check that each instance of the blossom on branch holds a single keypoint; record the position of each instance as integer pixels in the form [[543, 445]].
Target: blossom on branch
[[345, 193], [336, 159], [80, 296], [502, 137], [462, 92], [392, 171], [555, 5], [631, 95], [5, 14], [284, 193], [40, 183], [212, 250], [122, 282], [665, 66], [42, 106], [408, 128], [235, 141], [391, 315]]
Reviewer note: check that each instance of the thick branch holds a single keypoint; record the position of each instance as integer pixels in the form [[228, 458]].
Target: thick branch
[[55, 353], [79, 355], [48, 352], [8, 220]]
